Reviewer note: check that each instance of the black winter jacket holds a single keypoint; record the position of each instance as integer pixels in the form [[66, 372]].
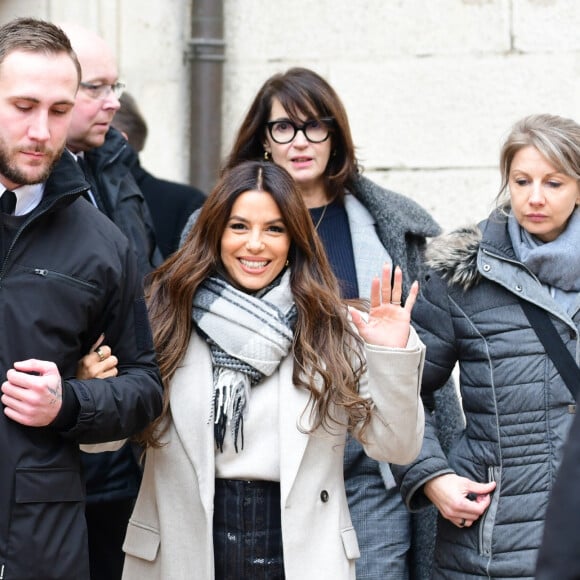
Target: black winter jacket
[[517, 408], [122, 199], [170, 204], [114, 476], [559, 556], [68, 276]]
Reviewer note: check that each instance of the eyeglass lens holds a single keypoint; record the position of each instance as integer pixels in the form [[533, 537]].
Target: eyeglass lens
[[103, 91], [284, 131]]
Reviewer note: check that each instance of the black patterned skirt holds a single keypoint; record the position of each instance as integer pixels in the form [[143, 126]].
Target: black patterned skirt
[[247, 530]]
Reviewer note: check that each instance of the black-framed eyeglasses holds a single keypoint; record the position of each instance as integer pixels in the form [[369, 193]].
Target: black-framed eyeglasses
[[316, 131], [102, 91]]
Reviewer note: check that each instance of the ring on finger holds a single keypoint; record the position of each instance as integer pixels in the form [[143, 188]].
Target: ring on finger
[[462, 523], [396, 303], [100, 354]]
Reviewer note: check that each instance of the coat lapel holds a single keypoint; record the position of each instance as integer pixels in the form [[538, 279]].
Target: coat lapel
[[191, 390], [369, 253], [293, 440]]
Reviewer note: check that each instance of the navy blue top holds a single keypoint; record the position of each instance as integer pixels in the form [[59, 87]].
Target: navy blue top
[[334, 232]]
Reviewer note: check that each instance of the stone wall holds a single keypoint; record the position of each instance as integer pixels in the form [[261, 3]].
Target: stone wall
[[431, 86]]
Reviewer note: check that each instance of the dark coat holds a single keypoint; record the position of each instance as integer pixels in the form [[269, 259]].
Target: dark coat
[[170, 204], [68, 276], [559, 555], [116, 475], [122, 199], [516, 405]]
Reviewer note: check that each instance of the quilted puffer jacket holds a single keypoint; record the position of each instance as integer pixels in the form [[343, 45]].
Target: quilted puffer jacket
[[518, 410]]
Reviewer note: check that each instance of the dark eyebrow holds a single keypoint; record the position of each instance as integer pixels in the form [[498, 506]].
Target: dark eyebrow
[[241, 219]]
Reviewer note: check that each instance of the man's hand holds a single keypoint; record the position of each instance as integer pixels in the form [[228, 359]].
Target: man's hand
[[32, 393]]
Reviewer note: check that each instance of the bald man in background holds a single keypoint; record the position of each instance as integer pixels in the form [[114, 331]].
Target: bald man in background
[[112, 478]]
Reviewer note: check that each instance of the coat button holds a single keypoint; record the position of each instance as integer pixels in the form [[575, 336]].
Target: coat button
[[486, 267], [324, 495]]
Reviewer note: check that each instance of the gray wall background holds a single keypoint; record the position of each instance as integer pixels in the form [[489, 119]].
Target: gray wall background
[[431, 86]]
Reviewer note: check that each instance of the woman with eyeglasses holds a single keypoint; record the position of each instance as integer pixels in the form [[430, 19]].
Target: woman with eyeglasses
[[298, 121], [265, 368]]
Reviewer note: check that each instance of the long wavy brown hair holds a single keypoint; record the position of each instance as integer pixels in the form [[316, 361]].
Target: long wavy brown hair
[[326, 348], [302, 92]]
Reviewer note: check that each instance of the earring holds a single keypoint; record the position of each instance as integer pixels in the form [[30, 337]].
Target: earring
[[266, 156], [287, 263]]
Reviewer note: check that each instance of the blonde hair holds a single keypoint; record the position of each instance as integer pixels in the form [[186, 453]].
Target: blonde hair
[[556, 138]]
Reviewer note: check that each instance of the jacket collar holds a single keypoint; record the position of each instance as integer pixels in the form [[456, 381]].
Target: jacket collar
[[455, 255], [115, 149], [396, 215], [65, 183], [495, 236]]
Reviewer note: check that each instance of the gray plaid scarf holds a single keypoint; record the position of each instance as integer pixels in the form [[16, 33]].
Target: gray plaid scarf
[[248, 336]]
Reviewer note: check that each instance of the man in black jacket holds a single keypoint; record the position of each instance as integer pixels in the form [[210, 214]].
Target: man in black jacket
[[67, 275], [112, 478], [104, 153]]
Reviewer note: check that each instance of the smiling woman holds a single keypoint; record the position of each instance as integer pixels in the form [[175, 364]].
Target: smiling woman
[[255, 243], [265, 371]]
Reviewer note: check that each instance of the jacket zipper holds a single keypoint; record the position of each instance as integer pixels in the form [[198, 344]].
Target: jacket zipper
[[49, 274], [2, 572], [19, 232], [487, 522]]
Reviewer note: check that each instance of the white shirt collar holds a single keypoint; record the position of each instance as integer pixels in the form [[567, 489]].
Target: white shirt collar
[[27, 197]]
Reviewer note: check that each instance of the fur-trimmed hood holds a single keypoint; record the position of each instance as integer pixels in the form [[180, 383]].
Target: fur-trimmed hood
[[454, 256]]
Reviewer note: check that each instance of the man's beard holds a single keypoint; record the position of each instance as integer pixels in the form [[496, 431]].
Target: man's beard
[[15, 175]]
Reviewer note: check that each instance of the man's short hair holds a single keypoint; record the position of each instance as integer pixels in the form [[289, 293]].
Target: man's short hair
[[129, 120], [34, 35]]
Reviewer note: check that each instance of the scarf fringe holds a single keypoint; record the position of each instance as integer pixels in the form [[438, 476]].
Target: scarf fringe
[[230, 405], [248, 335]]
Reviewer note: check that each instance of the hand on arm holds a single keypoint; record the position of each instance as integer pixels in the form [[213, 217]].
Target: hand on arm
[[459, 499], [99, 363], [388, 322]]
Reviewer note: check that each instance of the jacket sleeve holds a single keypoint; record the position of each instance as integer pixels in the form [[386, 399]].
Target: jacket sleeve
[[393, 382], [119, 407], [432, 318]]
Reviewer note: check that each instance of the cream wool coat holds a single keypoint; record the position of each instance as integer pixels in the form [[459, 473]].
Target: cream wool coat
[[170, 532]]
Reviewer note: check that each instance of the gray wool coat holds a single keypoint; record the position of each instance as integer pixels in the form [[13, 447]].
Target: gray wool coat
[[402, 227], [518, 409]]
